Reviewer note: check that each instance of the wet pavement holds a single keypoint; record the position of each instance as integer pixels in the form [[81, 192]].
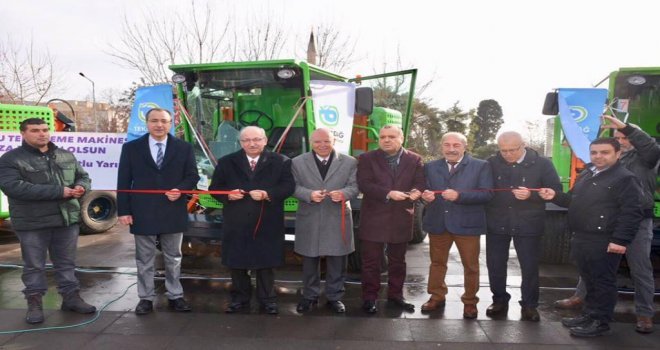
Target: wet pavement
[[107, 274]]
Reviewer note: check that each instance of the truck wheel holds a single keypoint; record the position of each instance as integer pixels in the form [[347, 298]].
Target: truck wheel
[[419, 235], [556, 241], [355, 259], [98, 211]]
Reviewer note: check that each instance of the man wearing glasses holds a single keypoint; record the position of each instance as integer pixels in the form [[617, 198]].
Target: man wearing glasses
[[516, 215], [253, 227]]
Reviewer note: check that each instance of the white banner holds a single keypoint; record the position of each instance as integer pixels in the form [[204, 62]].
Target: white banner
[[98, 153], [334, 107]]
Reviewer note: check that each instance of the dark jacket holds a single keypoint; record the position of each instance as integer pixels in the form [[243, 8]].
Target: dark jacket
[[642, 161], [154, 214], [384, 220], [242, 248], [34, 184], [508, 215], [604, 207], [472, 178]]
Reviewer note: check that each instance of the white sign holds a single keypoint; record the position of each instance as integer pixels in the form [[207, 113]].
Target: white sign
[[334, 107], [98, 153]]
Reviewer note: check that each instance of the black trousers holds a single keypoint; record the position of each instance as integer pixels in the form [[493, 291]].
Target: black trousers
[[598, 269], [242, 286], [497, 257]]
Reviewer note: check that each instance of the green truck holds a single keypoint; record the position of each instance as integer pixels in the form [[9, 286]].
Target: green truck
[[634, 94]]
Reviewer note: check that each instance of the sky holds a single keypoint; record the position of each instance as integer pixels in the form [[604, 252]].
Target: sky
[[470, 50]]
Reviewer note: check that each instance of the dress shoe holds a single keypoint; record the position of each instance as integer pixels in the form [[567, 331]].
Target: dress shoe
[[470, 311], [402, 303], [497, 309], [571, 322], [369, 306], [529, 314], [306, 305], [433, 305], [144, 307], [644, 324], [571, 303], [236, 306], [180, 305], [593, 329], [35, 312], [271, 308], [336, 306], [73, 302]]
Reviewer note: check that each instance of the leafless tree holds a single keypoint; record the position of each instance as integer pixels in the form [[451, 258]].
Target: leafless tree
[[264, 41], [27, 75], [335, 49], [151, 44]]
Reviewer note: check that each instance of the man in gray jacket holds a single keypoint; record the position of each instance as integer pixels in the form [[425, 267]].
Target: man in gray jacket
[[43, 184], [325, 182]]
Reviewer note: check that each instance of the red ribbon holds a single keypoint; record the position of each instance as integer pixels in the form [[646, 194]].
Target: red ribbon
[[487, 190]]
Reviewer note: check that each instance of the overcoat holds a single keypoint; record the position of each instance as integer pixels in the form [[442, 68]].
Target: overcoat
[[381, 219], [318, 225], [242, 247], [466, 216], [154, 214]]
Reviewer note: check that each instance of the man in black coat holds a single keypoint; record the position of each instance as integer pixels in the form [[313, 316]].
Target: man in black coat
[[156, 161], [516, 215], [253, 227], [604, 213]]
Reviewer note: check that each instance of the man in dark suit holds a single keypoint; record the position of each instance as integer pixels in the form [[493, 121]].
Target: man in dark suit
[[156, 161], [457, 215], [253, 227], [325, 182], [390, 178]]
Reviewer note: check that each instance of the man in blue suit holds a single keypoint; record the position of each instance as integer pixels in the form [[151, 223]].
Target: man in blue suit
[[156, 161], [457, 215]]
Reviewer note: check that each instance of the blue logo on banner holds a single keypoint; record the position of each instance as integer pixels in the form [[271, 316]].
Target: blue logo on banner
[[579, 112], [146, 98], [329, 115]]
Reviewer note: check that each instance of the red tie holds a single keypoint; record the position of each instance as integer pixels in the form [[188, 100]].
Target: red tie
[[253, 164]]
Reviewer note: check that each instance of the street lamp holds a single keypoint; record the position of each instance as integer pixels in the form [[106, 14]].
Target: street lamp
[[96, 121]]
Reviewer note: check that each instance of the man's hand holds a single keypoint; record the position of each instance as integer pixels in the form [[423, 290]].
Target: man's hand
[[547, 193], [616, 249], [414, 194], [236, 196], [258, 195], [68, 192], [173, 194], [428, 196], [126, 219], [613, 123], [78, 191], [397, 196], [317, 196], [336, 196], [450, 195], [521, 193]]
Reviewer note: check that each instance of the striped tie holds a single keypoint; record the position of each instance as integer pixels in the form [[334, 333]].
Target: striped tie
[[159, 155], [253, 164]]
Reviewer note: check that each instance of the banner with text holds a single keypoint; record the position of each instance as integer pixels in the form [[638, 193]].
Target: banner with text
[[98, 153], [580, 111], [146, 98], [334, 107]]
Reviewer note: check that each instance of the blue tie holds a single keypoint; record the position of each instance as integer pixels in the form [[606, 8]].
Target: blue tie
[[159, 155]]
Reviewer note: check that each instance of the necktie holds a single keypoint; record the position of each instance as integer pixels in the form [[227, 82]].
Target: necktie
[[159, 155], [253, 164], [453, 167], [324, 162]]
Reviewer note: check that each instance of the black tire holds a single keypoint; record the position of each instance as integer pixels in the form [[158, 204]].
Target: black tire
[[419, 235], [355, 259], [556, 241], [98, 211]]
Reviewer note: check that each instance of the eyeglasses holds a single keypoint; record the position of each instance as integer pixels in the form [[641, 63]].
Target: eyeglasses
[[509, 151], [620, 138], [254, 140]]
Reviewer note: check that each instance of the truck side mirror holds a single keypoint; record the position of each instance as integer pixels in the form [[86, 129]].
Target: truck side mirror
[[551, 104], [364, 100]]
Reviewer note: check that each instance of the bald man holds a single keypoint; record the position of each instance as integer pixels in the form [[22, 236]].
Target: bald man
[[516, 215], [325, 182]]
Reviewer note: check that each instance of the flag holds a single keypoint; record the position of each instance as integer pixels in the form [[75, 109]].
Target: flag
[[147, 98], [579, 112]]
